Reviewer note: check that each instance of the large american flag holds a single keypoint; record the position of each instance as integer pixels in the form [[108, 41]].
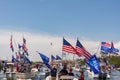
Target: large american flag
[[81, 51], [67, 47]]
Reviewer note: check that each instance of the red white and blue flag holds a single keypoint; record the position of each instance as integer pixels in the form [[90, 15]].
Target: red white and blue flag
[[11, 44], [81, 51], [105, 47], [113, 49], [67, 47], [53, 58], [24, 46], [58, 57]]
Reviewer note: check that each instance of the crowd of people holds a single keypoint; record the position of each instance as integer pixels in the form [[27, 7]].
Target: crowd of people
[[65, 71]]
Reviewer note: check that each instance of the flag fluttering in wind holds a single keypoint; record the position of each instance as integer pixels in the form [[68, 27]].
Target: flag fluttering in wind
[[20, 47], [81, 51], [92, 61], [52, 57], [25, 47], [17, 56], [113, 49], [58, 57], [26, 59], [45, 60], [94, 64], [11, 44], [105, 47], [67, 47], [14, 59]]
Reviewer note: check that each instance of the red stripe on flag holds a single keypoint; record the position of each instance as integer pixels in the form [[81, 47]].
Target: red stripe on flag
[[68, 49], [83, 52]]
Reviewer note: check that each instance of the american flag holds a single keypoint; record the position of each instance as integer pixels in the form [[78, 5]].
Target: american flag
[[11, 44], [17, 56], [105, 47], [105, 44], [24, 46], [67, 47], [81, 51]]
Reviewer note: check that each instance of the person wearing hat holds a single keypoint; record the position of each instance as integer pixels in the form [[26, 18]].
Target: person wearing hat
[[54, 73]]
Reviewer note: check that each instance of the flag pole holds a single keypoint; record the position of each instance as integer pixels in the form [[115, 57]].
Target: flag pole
[[15, 42], [97, 49], [11, 42]]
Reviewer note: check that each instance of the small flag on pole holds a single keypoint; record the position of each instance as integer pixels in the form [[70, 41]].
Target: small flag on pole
[[11, 44], [45, 60]]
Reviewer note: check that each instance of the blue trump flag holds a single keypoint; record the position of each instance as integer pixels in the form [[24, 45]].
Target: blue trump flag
[[94, 64], [58, 57], [27, 60], [113, 49], [53, 58], [14, 59], [45, 60]]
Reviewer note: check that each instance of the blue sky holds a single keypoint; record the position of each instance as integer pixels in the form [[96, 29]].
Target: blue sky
[[90, 20], [94, 19]]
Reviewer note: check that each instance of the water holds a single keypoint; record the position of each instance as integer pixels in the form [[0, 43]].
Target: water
[[115, 75]]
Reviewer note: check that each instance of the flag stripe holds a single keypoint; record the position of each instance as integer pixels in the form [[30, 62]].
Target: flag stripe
[[105, 47], [105, 44], [82, 51], [69, 49], [11, 44]]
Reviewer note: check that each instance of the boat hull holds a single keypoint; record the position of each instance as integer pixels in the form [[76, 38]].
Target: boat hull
[[25, 75]]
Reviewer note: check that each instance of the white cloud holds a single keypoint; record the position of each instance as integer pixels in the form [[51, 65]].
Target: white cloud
[[41, 43]]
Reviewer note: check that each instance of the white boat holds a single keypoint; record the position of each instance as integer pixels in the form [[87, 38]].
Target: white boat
[[62, 78], [96, 76], [76, 69]]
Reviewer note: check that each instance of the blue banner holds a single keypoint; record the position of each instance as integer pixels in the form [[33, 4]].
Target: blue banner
[[58, 57], [94, 64], [45, 60]]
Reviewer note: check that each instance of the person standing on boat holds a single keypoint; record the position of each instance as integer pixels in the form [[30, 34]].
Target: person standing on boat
[[70, 72], [81, 75], [64, 70], [54, 73]]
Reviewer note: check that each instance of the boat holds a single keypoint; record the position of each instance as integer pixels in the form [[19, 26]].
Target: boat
[[91, 74], [25, 75], [62, 78], [21, 67]]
